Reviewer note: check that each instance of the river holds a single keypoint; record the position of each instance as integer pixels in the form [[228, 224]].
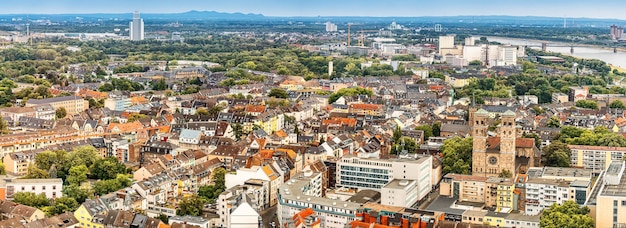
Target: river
[[617, 59]]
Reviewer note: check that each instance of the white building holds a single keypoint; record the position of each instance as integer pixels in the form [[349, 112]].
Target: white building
[[469, 41], [233, 199], [136, 27], [304, 191], [191, 220], [244, 216], [446, 42], [370, 173], [399, 193], [507, 56], [52, 188], [541, 193], [473, 53], [330, 27]]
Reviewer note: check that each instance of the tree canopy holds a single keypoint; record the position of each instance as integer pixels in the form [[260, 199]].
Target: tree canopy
[[557, 154], [457, 155], [349, 92], [569, 214]]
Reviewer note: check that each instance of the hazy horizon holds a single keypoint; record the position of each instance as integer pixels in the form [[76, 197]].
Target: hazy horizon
[[607, 9]]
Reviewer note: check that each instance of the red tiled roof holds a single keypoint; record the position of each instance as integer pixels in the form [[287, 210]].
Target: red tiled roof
[[255, 108], [365, 106], [524, 142]]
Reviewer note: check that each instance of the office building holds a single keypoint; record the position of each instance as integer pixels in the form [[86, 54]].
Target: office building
[[607, 202], [446, 42], [303, 191], [371, 173], [330, 27], [469, 41], [399, 193], [507, 56], [136, 27]]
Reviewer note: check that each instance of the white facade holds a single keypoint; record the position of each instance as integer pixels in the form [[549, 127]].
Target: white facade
[[330, 27], [446, 42], [52, 188], [136, 27], [191, 220], [469, 41], [244, 216], [265, 173], [472, 53], [399, 193], [304, 191], [367, 173], [507, 56], [542, 193]]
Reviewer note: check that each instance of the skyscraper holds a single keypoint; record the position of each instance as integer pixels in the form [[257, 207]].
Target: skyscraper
[[136, 27]]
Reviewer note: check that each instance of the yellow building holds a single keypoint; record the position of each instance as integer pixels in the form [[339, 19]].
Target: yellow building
[[270, 121], [602, 156], [505, 197], [608, 207], [495, 219], [71, 104], [88, 210]]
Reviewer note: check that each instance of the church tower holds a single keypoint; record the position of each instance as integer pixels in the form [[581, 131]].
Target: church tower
[[507, 133], [478, 121]]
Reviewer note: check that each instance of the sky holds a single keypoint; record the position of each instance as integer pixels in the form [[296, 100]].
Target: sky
[[388, 8]]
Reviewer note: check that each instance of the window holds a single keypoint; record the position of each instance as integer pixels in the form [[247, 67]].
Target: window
[[623, 202]]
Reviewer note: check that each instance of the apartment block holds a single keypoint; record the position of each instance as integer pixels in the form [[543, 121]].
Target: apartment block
[[372, 173], [52, 188], [71, 104], [400, 193], [595, 158]]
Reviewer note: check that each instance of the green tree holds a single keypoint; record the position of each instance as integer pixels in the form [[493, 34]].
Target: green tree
[[557, 154], [202, 112], [61, 113], [164, 218], [36, 173], [457, 155], [3, 169], [569, 214], [4, 127], [437, 129], [77, 192], [106, 87], [31, 199], [428, 131], [587, 104], [476, 63], [278, 93], [238, 130], [159, 85], [349, 92], [505, 174], [405, 144], [136, 116], [191, 205], [103, 187], [77, 175], [617, 104], [61, 205], [554, 122], [397, 134], [106, 169]]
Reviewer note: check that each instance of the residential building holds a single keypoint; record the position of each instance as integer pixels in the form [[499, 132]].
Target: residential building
[[190, 220], [71, 104], [595, 158], [244, 216], [304, 219], [52, 188], [117, 103], [577, 93], [465, 188], [446, 42], [136, 27], [304, 191], [372, 173], [558, 98], [330, 27], [267, 172], [542, 193], [239, 199], [87, 211]]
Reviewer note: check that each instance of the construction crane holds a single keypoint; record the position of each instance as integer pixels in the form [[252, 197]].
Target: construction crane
[[362, 37]]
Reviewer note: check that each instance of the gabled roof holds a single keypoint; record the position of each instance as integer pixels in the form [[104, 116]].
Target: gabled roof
[[244, 209]]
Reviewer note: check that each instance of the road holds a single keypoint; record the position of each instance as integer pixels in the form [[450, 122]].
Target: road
[[268, 216]]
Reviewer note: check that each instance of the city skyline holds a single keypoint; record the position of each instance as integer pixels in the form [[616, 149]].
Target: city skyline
[[608, 9]]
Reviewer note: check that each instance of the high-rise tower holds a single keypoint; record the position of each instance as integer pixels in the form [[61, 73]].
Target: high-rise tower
[[136, 27]]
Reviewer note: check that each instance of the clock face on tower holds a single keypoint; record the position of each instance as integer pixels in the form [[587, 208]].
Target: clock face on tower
[[493, 160]]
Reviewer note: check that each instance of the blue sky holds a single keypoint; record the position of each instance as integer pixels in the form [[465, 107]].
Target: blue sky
[[555, 8]]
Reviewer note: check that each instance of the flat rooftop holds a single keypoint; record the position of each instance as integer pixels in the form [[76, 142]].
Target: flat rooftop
[[293, 190], [443, 204], [400, 183]]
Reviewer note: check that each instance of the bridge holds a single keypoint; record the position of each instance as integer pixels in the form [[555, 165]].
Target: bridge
[[544, 46]]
